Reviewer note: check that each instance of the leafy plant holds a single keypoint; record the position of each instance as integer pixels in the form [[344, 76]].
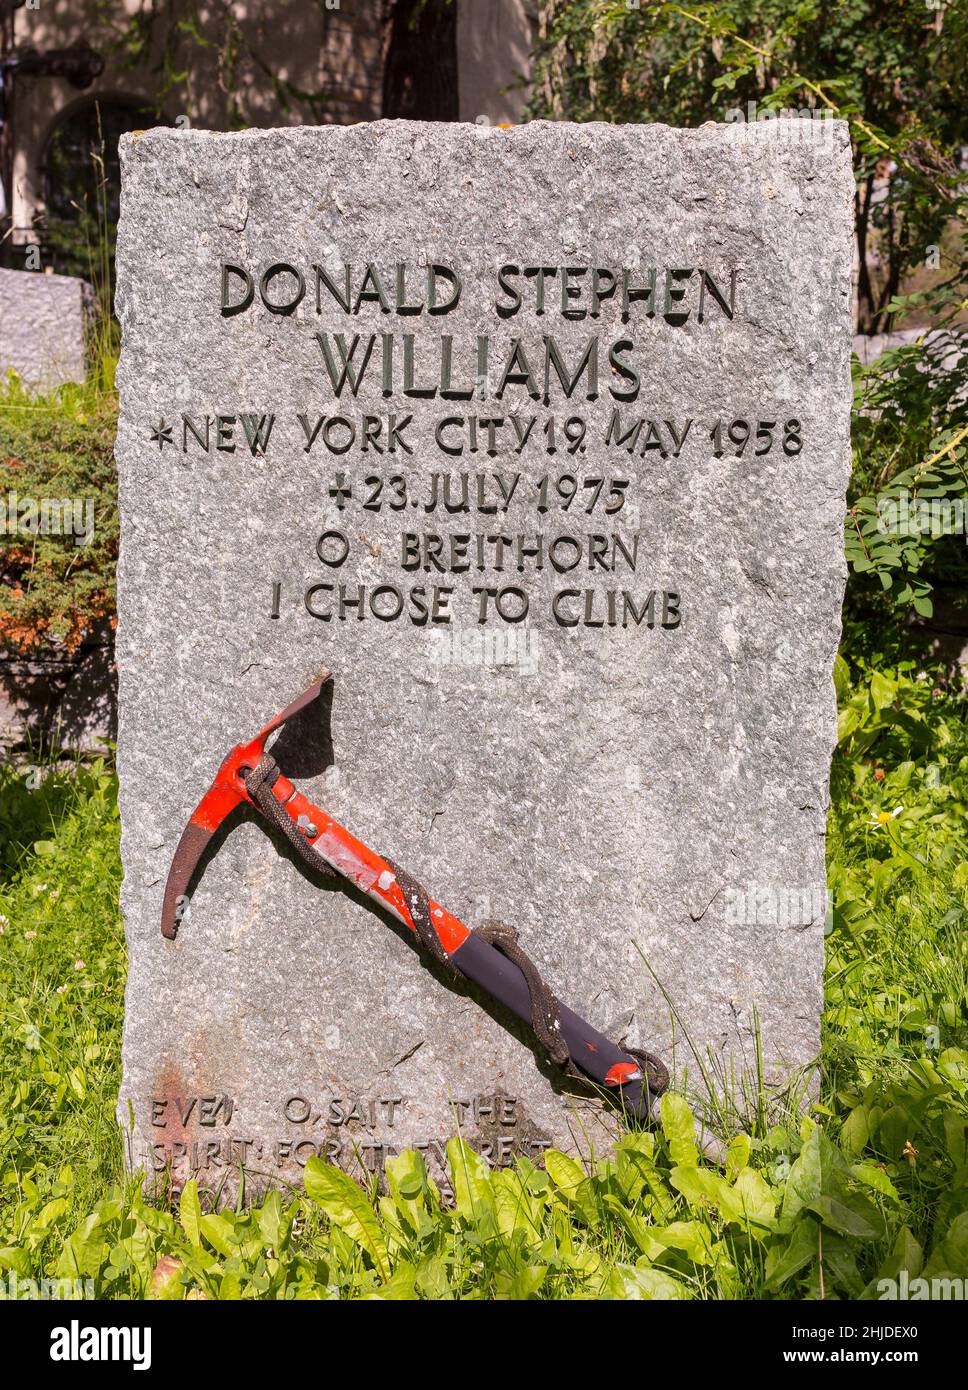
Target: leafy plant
[[60, 450]]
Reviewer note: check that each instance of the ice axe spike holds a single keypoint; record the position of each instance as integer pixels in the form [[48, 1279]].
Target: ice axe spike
[[249, 774]]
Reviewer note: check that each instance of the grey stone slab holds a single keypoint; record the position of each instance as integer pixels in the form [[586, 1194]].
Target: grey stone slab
[[43, 320], [644, 798]]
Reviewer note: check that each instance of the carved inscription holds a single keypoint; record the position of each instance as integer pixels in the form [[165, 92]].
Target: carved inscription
[[495, 399], [338, 1129]]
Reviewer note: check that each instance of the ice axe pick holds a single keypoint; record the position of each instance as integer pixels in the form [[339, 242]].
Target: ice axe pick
[[490, 956]]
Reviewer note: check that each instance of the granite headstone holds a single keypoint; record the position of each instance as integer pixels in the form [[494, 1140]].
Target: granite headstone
[[44, 323], [538, 440]]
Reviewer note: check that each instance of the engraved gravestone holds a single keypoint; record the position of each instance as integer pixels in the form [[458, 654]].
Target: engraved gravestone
[[538, 440]]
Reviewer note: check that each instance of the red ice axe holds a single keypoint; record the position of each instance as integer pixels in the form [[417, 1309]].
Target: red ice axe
[[490, 956]]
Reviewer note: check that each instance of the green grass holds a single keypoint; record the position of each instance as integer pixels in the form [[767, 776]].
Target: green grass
[[873, 1180], [62, 977]]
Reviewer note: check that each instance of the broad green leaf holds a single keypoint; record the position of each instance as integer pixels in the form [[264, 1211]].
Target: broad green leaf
[[190, 1212], [348, 1207], [883, 690], [470, 1177], [396, 1232], [401, 1288], [703, 1189], [950, 1256], [573, 1186], [693, 1238], [408, 1183], [50, 1213], [642, 1141], [906, 1254], [855, 1132], [849, 1213], [802, 1248], [756, 1198], [956, 1138], [219, 1233], [738, 1156], [650, 1284], [275, 1223], [513, 1204], [662, 1199], [632, 1153], [872, 1175], [679, 1128], [522, 1283], [565, 1172], [433, 1279], [16, 1258], [803, 1183], [83, 1253]]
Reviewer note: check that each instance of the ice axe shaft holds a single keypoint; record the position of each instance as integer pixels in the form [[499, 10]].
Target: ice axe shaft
[[321, 839]]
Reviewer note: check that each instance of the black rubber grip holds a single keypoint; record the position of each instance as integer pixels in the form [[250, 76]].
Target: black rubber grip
[[591, 1052]]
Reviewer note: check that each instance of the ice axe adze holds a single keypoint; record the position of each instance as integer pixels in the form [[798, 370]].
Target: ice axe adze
[[490, 956]]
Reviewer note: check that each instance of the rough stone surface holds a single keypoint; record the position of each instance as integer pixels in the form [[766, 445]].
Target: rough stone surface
[[43, 320], [622, 794]]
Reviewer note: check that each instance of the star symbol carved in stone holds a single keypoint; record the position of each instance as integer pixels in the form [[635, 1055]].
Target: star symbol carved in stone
[[161, 434]]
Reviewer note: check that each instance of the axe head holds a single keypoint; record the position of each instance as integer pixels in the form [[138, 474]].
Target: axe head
[[227, 791]]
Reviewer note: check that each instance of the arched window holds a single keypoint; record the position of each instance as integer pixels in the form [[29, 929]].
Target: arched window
[[82, 178]]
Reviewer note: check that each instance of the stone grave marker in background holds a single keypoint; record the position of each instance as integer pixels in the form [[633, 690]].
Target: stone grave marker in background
[[538, 440], [44, 322]]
